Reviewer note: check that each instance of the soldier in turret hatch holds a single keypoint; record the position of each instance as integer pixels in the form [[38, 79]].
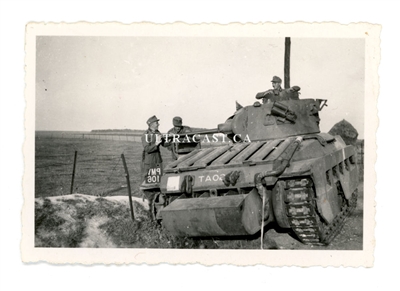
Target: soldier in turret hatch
[[277, 93], [177, 129]]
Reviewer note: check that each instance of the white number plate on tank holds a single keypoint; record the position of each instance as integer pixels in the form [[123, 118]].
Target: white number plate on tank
[[173, 183]]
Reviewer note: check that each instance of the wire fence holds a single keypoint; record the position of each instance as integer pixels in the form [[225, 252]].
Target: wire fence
[[98, 171], [87, 135], [103, 176], [99, 168]]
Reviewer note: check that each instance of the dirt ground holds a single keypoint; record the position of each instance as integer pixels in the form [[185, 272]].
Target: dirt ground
[[105, 222]]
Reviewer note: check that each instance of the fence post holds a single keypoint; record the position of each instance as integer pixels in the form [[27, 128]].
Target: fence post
[[73, 172], [129, 186]]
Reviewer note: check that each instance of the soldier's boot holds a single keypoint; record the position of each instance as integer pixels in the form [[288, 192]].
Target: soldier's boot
[[159, 204], [152, 211], [150, 196]]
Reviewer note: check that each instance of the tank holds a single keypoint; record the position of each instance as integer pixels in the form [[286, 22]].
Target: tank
[[277, 167]]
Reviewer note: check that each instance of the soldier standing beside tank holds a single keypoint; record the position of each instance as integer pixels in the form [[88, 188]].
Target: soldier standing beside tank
[[151, 141], [277, 93], [177, 129], [151, 166]]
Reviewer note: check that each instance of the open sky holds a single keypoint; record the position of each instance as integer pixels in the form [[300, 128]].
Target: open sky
[[85, 83]]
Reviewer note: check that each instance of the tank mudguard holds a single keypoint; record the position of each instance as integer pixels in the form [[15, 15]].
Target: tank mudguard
[[328, 172]]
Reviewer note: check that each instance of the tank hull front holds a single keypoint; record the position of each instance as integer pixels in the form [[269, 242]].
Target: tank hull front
[[324, 159]]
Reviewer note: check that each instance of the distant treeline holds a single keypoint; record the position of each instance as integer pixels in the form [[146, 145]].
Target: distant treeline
[[117, 130], [135, 131]]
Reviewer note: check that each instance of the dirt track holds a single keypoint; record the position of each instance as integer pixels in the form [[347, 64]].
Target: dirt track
[[349, 238]]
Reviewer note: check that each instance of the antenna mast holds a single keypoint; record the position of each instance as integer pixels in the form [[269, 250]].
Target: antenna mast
[[287, 63]]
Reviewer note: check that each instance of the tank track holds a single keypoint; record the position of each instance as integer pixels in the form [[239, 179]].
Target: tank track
[[303, 217]]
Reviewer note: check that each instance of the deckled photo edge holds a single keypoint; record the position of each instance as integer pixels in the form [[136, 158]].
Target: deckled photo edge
[[371, 34]]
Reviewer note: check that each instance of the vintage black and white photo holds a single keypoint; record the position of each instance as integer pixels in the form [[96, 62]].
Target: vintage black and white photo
[[185, 143]]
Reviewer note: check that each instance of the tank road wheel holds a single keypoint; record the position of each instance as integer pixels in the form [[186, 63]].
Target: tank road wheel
[[295, 207]]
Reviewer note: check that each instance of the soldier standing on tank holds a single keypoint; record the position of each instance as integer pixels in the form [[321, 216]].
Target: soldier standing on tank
[[177, 129], [151, 158]]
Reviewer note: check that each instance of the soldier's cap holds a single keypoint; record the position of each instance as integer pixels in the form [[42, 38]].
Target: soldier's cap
[[152, 119], [177, 121], [276, 79]]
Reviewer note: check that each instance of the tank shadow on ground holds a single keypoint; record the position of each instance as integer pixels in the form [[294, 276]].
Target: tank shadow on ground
[[239, 242]]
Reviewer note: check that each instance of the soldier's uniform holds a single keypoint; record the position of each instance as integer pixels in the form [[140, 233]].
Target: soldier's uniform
[[177, 121], [279, 94], [151, 156]]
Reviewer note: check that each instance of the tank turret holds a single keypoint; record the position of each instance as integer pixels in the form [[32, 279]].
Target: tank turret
[[266, 121], [270, 120], [274, 120]]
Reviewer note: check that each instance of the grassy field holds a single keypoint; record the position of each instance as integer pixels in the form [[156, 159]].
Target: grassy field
[[79, 221], [99, 168]]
